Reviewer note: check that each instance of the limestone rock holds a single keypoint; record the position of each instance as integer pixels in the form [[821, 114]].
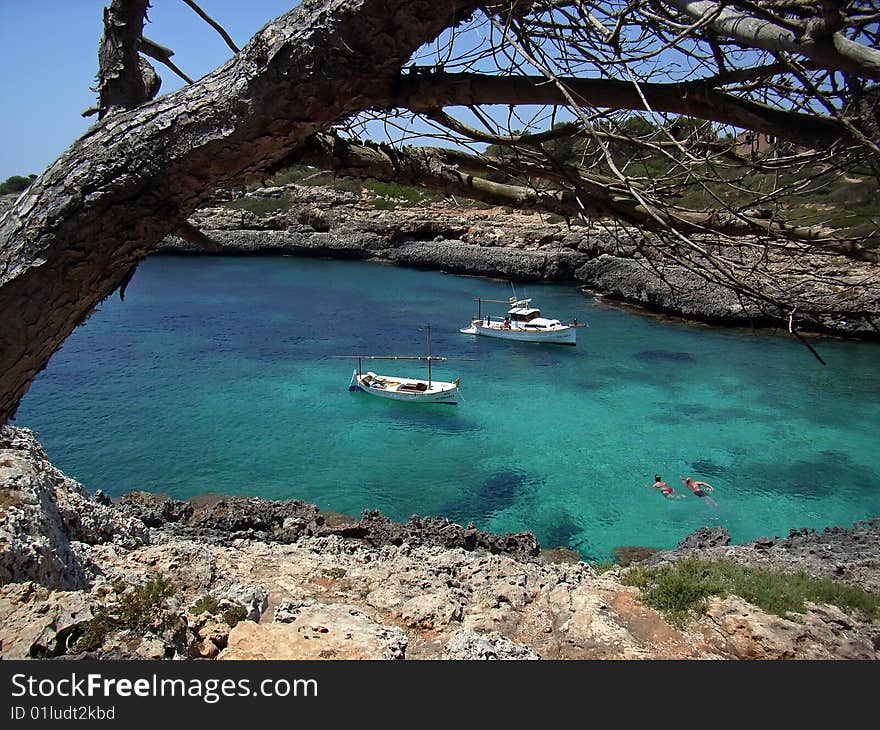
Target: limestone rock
[[439, 531], [42, 512], [348, 589], [468, 644], [187, 564], [154, 510], [663, 286], [215, 518], [210, 636], [316, 631], [747, 632], [431, 611], [36, 623], [705, 537], [151, 647], [254, 599]]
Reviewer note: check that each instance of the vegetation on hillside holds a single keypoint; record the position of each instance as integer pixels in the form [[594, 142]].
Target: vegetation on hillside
[[686, 586], [745, 174], [261, 206], [379, 195], [139, 608], [15, 184]]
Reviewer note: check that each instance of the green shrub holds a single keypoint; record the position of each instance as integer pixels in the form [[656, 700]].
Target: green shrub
[[261, 206], [328, 180], [142, 606], [95, 632], [303, 175], [393, 190], [231, 615], [676, 590], [15, 184], [206, 604], [603, 567], [383, 203], [234, 614], [140, 609]]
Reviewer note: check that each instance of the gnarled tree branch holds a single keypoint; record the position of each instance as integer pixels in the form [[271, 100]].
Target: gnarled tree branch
[[832, 51], [121, 80], [133, 179], [426, 92]]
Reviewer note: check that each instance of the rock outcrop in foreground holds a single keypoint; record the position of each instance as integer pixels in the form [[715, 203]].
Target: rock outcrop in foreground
[[149, 577]]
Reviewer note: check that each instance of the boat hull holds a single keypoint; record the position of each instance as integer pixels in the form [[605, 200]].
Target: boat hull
[[388, 387], [561, 336]]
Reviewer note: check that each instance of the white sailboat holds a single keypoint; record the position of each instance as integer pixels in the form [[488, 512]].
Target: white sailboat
[[403, 388], [523, 322]]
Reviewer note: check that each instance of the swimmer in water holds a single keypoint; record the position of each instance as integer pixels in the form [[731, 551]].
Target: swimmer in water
[[664, 488], [699, 489]]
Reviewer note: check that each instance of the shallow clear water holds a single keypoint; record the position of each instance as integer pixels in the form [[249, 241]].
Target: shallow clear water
[[216, 374]]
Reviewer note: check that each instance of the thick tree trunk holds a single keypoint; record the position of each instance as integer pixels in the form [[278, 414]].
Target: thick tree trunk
[[77, 231]]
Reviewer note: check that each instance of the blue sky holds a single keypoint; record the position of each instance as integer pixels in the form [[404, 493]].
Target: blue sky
[[50, 59]]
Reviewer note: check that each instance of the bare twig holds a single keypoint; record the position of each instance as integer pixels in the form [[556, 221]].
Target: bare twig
[[214, 24]]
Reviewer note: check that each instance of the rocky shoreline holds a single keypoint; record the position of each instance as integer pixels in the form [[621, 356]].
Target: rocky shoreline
[[620, 264], [145, 576]]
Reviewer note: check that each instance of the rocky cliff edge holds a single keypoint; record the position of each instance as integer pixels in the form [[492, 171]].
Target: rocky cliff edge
[[235, 578]]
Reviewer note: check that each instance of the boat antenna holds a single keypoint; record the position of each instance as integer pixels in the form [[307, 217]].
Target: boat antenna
[[515, 297]]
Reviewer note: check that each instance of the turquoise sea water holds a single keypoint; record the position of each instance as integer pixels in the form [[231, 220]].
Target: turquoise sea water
[[216, 374]]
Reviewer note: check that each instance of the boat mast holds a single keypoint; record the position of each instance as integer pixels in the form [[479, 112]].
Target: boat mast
[[428, 327]]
